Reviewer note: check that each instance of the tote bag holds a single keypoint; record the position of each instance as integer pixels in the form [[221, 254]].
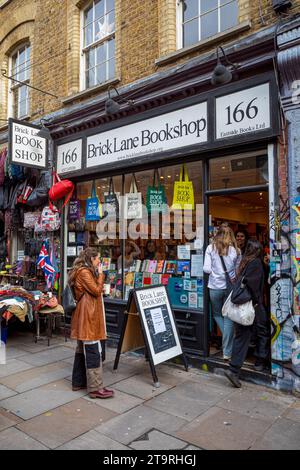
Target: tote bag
[[133, 202], [93, 211], [243, 314], [111, 202], [156, 197], [74, 208], [183, 197]]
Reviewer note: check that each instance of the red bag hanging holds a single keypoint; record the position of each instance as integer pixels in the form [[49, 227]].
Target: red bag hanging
[[61, 189]]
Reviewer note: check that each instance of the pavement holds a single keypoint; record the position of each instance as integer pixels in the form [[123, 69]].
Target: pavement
[[190, 410]]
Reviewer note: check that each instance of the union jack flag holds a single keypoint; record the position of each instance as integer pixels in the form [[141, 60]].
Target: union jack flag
[[45, 264]]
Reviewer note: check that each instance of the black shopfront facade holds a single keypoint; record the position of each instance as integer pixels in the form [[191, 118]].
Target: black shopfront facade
[[226, 139]]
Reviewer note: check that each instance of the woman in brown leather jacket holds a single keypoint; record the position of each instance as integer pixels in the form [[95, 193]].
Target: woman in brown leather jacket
[[88, 324]]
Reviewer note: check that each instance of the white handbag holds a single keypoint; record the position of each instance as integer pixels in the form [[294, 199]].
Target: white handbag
[[243, 314]]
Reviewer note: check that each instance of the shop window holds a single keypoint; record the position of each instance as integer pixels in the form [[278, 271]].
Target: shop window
[[238, 171], [98, 36], [19, 93], [201, 19], [163, 245]]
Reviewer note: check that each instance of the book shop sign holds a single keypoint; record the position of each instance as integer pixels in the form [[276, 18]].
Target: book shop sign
[[26, 148], [177, 129]]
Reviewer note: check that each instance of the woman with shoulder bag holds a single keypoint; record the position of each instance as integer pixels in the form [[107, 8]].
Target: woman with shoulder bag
[[88, 324], [252, 271], [220, 263]]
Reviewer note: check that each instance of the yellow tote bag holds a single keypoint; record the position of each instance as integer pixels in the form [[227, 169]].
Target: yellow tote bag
[[183, 197]]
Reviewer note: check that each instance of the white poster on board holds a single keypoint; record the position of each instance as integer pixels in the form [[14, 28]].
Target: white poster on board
[[159, 324]]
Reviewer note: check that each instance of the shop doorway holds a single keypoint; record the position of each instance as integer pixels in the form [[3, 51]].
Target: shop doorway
[[245, 212]]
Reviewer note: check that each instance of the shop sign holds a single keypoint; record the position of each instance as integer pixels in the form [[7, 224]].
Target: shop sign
[[26, 148], [181, 128], [243, 112], [69, 157]]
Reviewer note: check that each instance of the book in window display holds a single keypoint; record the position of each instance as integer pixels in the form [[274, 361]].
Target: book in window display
[[183, 266], [138, 280], [155, 279], [170, 267], [160, 266]]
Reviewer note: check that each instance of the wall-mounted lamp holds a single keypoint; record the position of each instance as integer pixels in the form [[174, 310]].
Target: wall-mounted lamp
[[44, 131], [222, 74], [111, 106]]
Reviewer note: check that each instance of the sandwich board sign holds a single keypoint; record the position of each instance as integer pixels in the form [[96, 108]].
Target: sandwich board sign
[[149, 322]]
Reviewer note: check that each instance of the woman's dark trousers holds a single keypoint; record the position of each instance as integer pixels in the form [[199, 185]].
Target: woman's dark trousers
[[242, 336]]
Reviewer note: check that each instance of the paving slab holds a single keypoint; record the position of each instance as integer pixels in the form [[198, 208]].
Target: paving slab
[[257, 403], [35, 347], [141, 386], [189, 400], [46, 357], [66, 422], [13, 439], [192, 448], [132, 424], [37, 376], [13, 366], [92, 440], [157, 440], [293, 412], [29, 404], [284, 434], [6, 392], [7, 420], [13, 352], [219, 429], [119, 404], [111, 377]]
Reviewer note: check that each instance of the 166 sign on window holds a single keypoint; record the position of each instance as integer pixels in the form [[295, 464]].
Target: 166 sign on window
[[69, 157], [243, 112]]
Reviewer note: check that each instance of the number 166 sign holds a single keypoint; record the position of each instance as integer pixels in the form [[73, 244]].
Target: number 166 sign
[[69, 157], [243, 112]]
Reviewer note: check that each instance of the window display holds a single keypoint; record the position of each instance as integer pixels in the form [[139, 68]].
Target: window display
[[149, 230]]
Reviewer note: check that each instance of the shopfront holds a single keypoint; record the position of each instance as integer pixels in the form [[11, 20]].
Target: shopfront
[[222, 146]]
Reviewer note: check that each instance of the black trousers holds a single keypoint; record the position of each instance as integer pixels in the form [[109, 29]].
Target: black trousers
[[242, 336]]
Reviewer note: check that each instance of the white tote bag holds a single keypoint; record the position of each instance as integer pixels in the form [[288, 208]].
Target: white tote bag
[[243, 314], [133, 202]]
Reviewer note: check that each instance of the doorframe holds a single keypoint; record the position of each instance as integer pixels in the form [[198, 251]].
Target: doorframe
[[269, 187]]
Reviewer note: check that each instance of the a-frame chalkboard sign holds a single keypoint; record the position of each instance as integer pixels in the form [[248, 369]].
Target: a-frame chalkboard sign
[[149, 322]]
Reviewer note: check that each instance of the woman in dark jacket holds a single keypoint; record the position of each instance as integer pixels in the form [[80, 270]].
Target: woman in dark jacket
[[88, 324], [251, 267]]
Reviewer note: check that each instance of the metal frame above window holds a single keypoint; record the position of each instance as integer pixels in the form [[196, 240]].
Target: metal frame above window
[[19, 93], [201, 19], [98, 43]]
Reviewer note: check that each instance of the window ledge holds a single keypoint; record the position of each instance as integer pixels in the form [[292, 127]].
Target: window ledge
[[90, 91], [241, 27]]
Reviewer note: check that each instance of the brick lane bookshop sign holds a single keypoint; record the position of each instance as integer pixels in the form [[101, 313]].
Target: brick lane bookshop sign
[[236, 115], [26, 148]]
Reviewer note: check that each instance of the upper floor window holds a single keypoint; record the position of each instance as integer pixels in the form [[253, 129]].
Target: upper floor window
[[20, 70], [98, 42], [201, 19]]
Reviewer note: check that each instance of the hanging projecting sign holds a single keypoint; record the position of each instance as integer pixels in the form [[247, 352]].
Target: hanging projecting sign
[[243, 112], [69, 157], [25, 147], [177, 129]]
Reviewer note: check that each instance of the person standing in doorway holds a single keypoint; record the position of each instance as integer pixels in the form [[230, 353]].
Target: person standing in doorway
[[252, 271], [88, 324], [242, 238], [222, 250]]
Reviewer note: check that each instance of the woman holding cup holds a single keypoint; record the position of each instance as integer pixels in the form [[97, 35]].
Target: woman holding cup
[[88, 323]]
